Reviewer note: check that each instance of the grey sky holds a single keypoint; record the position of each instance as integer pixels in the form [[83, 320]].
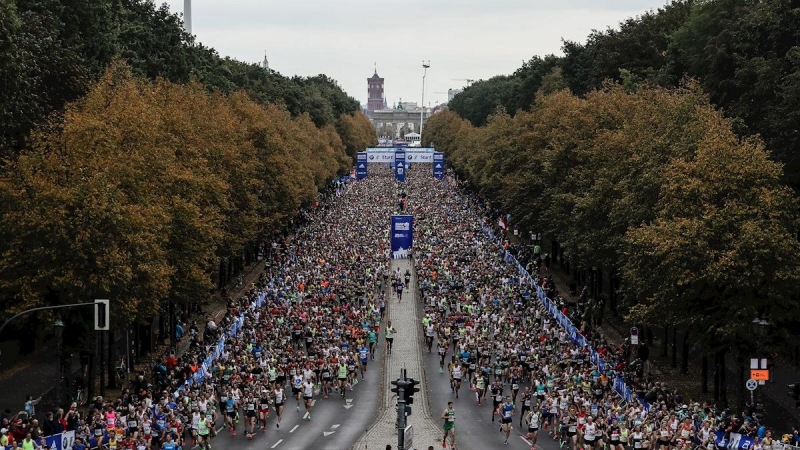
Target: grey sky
[[463, 39]]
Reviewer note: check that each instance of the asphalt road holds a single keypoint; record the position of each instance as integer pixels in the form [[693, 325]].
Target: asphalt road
[[335, 424], [474, 427]]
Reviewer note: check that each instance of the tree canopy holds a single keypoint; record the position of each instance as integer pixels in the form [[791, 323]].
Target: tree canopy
[[139, 187], [52, 51], [744, 54]]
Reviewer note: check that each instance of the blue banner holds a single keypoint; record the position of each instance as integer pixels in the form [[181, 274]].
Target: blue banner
[[400, 165], [402, 236], [361, 165], [735, 441], [438, 165]]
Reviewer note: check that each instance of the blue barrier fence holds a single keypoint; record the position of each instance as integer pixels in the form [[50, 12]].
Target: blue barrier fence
[[566, 324]]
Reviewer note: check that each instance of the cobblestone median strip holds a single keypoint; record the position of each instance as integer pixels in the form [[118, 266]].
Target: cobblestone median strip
[[407, 353]]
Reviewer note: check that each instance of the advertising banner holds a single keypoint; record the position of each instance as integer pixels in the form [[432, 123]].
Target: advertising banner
[[438, 165], [400, 165], [402, 236], [361, 165], [413, 155]]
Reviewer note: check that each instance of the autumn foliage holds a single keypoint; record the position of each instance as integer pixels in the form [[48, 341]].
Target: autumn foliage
[[651, 184], [137, 190]]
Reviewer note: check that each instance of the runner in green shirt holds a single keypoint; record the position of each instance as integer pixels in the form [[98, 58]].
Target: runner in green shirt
[[449, 416]]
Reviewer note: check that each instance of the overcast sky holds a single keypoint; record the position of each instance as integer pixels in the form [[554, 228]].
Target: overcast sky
[[463, 39]]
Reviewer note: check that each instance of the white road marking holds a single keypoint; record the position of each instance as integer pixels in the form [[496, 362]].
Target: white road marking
[[327, 433], [305, 415], [335, 426], [276, 444], [348, 406], [295, 427]]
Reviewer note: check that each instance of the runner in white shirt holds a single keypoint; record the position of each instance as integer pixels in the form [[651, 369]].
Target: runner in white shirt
[[308, 396]]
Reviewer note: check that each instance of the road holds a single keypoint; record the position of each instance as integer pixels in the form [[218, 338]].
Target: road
[[336, 424], [474, 427]]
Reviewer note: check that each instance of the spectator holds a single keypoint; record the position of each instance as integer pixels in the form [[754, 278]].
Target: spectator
[[30, 405]]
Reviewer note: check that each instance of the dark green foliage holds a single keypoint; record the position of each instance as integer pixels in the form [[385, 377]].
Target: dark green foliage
[[51, 51], [744, 53]]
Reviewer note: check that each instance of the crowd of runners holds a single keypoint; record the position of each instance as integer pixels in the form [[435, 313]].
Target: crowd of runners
[[311, 340]]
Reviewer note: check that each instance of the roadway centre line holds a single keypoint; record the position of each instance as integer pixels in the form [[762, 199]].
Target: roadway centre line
[[295, 427], [529, 442], [276, 444]]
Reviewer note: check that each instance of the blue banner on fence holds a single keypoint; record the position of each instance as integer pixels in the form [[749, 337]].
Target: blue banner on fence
[[566, 324], [400, 165], [438, 165], [402, 236], [734, 442], [361, 165]]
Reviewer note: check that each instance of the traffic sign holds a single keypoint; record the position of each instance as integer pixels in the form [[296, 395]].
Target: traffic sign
[[634, 336], [751, 384], [759, 374]]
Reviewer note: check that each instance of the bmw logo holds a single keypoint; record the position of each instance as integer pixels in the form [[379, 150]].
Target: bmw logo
[[409, 157], [371, 156]]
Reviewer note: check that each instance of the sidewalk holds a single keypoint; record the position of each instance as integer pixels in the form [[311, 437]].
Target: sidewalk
[[406, 353]]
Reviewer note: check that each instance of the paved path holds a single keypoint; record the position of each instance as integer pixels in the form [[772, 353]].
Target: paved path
[[406, 353]]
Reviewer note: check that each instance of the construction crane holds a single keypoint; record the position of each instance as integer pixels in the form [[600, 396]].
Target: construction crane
[[469, 82]]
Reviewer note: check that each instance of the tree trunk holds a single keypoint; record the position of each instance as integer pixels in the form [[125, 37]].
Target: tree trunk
[[111, 364], [685, 351], [674, 347], [742, 397], [221, 281], [650, 336], [716, 377], [89, 382], [101, 350], [723, 382], [171, 326], [704, 375], [665, 343]]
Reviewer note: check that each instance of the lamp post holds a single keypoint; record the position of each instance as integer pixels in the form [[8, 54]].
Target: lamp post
[[425, 66], [58, 325]]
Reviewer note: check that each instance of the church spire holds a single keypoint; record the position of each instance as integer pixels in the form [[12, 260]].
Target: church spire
[[376, 67]]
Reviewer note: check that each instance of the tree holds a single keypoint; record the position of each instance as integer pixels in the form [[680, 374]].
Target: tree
[[723, 246]]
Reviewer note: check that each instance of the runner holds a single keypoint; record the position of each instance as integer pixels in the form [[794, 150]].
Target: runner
[[507, 417], [533, 418], [389, 337], [449, 417], [263, 409], [308, 397], [279, 398], [457, 375], [203, 432]]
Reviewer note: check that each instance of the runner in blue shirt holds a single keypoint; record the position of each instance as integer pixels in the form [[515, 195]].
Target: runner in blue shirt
[[363, 358]]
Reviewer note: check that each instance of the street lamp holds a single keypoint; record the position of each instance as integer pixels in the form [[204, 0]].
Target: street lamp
[[425, 66], [58, 326]]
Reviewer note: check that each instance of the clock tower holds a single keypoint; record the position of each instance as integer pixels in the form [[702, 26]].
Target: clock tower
[[375, 100]]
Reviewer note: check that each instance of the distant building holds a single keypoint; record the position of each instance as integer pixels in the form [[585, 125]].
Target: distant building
[[375, 100], [265, 63], [452, 93], [397, 122]]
